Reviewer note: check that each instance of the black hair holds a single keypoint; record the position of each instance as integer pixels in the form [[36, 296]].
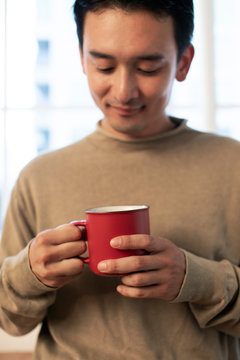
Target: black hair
[[182, 12]]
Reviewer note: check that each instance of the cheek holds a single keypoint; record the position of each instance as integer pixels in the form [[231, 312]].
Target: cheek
[[98, 86], [160, 89], [155, 91]]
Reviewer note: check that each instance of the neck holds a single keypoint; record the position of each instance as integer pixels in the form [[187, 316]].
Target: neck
[[166, 124]]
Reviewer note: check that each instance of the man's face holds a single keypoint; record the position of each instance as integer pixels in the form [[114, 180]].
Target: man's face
[[130, 60]]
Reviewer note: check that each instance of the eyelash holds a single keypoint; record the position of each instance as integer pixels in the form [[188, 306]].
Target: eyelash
[[105, 70], [149, 72], [146, 72]]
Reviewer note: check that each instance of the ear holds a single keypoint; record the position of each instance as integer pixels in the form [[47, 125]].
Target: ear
[[185, 63], [82, 59]]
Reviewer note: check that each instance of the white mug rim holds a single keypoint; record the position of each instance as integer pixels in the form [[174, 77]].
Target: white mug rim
[[116, 209]]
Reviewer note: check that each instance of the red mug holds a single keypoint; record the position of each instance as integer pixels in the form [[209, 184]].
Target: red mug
[[104, 223]]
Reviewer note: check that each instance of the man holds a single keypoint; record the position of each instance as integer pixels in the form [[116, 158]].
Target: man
[[181, 301]]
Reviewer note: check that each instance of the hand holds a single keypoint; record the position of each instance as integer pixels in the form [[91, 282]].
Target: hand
[[54, 255], [159, 274]]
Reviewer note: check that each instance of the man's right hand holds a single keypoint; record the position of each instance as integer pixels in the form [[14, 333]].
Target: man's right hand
[[54, 255]]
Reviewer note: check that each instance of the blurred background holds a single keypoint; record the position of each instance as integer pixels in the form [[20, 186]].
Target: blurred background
[[44, 98]]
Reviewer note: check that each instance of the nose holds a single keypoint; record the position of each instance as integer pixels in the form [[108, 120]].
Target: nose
[[125, 87]]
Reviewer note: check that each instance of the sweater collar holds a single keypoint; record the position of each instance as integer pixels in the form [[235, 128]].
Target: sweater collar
[[181, 124], [108, 142]]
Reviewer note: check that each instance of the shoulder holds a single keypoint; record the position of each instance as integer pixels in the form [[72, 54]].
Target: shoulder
[[214, 154], [56, 164], [213, 143], [57, 158]]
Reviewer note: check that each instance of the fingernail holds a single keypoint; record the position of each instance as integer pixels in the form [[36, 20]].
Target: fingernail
[[116, 243], [102, 266]]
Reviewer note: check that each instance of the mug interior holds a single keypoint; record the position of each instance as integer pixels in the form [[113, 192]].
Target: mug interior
[[119, 208]]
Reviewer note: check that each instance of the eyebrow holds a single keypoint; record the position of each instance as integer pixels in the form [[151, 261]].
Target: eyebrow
[[100, 55], [148, 57]]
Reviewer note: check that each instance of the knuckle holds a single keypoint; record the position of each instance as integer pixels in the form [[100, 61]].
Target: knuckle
[[138, 263], [46, 273], [42, 238], [139, 293], [171, 266], [45, 257], [79, 265], [124, 240], [76, 231], [112, 265], [70, 230], [148, 240], [82, 246], [54, 283], [165, 291], [137, 280]]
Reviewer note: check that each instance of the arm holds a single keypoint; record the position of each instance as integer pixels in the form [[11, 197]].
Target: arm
[[211, 288], [25, 293]]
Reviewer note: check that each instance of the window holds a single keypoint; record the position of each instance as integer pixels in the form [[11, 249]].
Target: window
[[44, 98]]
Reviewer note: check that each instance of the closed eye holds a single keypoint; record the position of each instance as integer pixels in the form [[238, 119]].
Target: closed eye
[[106, 70], [149, 72], [146, 72]]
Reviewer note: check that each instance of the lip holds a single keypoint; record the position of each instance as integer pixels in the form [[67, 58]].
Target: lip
[[127, 111]]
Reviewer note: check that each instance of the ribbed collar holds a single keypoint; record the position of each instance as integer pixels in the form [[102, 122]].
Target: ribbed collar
[[180, 125], [108, 141]]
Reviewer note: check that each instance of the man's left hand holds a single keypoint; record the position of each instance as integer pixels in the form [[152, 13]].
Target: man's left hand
[[159, 274]]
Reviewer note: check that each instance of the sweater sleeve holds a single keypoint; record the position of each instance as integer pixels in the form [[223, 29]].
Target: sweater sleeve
[[212, 290], [24, 300]]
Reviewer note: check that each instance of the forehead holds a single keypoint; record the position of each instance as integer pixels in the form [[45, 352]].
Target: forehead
[[116, 31]]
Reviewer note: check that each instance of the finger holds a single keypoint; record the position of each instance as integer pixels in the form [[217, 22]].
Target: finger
[[61, 273], [67, 233], [141, 279], [130, 264], [68, 250], [139, 241], [59, 235], [67, 268], [59, 281], [140, 292], [161, 291]]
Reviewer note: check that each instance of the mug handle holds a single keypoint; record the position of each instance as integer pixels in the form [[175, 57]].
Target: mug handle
[[83, 223]]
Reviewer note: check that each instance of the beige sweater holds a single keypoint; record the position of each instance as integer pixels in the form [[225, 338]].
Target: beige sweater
[[191, 180]]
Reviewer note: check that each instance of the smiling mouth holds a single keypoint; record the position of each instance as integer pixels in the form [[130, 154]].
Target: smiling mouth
[[127, 111]]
